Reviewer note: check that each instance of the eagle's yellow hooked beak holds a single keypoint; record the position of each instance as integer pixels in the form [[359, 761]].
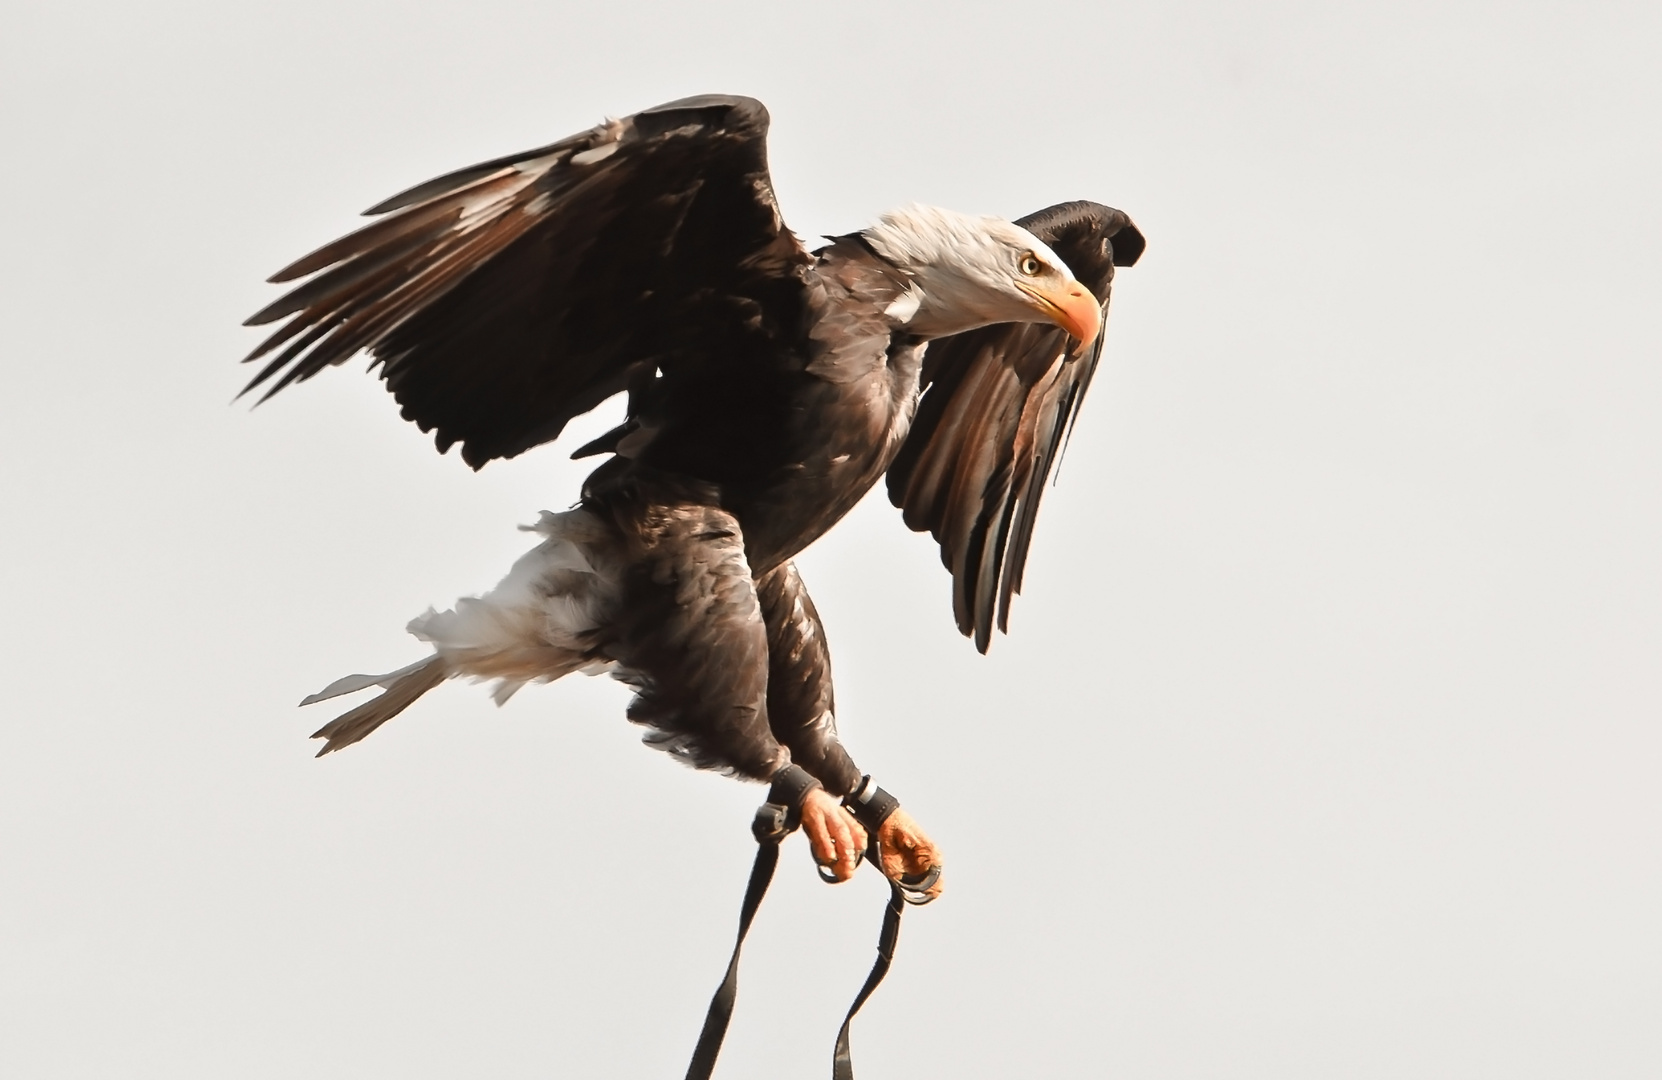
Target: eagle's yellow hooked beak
[[1070, 306]]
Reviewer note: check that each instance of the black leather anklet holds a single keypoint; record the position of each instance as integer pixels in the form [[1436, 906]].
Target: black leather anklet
[[781, 815], [870, 804]]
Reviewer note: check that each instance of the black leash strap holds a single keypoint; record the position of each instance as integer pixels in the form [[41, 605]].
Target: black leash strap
[[842, 1063], [768, 818], [773, 823]]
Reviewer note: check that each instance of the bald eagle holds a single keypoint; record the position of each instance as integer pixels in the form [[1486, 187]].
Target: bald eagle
[[769, 387]]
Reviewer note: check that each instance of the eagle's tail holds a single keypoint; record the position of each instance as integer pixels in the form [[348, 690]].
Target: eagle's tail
[[545, 620], [402, 688]]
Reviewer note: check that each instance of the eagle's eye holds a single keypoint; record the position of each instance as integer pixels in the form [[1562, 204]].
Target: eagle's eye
[[1030, 264]]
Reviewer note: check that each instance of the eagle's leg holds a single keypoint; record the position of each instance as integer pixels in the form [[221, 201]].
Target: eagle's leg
[[688, 635], [801, 704], [802, 714]]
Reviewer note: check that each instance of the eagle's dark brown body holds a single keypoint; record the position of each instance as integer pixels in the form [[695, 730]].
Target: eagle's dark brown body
[[791, 446]]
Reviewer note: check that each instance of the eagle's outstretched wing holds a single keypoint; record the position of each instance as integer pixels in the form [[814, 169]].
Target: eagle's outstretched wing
[[998, 403], [504, 299]]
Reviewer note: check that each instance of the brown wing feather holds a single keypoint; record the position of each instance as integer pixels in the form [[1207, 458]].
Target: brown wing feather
[[503, 299]]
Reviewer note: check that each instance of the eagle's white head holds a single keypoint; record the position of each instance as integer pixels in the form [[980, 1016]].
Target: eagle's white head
[[969, 271]]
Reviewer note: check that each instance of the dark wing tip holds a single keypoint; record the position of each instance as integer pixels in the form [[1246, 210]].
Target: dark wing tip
[[742, 116], [1127, 242], [747, 108]]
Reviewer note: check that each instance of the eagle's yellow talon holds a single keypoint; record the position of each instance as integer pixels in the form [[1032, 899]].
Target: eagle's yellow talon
[[907, 851]]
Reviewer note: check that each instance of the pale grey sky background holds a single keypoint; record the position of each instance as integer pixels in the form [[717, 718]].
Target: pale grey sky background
[[1327, 741]]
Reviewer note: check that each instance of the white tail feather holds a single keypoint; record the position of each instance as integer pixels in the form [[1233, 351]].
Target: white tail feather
[[400, 694], [351, 684]]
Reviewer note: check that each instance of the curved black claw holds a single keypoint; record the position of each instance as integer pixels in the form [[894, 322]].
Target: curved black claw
[[914, 888]]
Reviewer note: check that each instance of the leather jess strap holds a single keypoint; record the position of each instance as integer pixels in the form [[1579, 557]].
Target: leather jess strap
[[774, 821]]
